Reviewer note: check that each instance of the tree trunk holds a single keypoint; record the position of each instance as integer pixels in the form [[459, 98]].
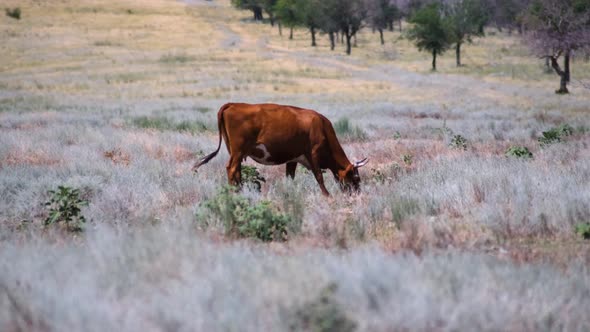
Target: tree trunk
[[257, 13], [381, 36], [280, 28], [566, 65], [354, 38], [291, 33], [400, 25], [348, 37], [562, 86], [458, 53], [562, 75], [272, 19], [433, 60], [390, 25], [548, 69], [342, 38], [332, 42], [312, 30]]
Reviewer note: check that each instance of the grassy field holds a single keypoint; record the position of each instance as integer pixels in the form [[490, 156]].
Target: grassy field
[[119, 99]]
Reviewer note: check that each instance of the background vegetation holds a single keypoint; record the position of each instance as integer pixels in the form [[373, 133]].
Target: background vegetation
[[474, 206]]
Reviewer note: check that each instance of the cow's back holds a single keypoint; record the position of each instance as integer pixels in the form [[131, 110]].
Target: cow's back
[[283, 130], [269, 119]]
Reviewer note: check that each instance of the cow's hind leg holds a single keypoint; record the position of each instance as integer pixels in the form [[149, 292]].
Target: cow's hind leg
[[234, 170], [291, 167]]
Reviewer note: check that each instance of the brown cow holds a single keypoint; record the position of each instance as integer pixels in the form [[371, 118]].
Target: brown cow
[[277, 134]]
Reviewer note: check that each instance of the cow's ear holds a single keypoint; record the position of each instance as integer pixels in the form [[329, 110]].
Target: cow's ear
[[361, 163]]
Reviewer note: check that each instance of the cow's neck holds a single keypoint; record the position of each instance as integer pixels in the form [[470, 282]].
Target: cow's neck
[[339, 160]]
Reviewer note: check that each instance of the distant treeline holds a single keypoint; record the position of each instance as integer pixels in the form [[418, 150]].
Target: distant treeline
[[551, 28]]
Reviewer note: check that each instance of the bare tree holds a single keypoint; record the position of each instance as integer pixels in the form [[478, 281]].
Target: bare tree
[[559, 27]]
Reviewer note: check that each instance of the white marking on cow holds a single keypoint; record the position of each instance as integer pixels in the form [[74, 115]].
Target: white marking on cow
[[302, 160], [265, 160]]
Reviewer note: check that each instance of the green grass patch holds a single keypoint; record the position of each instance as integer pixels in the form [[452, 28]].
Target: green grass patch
[[164, 123], [347, 131], [176, 58]]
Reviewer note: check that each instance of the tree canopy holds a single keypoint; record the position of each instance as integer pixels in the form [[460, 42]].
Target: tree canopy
[[431, 31]]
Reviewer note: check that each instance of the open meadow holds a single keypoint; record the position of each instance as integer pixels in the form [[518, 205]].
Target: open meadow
[[118, 99]]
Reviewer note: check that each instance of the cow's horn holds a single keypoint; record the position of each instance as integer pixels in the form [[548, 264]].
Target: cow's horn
[[361, 163]]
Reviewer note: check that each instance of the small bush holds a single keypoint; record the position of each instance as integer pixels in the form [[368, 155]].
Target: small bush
[[387, 173], [242, 219], [583, 230], [14, 13], [347, 131], [379, 176], [251, 176], [458, 142], [323, 314], [555, 135], [408, 159], [64, 207], [519, 152]]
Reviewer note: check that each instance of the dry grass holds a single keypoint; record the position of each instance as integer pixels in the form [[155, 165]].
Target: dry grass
[[75, 74]]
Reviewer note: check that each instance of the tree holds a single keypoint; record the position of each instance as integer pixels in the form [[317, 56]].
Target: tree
[[254, 5], [560, 27], [329, 22], [381, 14], [466, 20], [269, 6], [430, 32], [286, 13], [347, 16], [309, 15]]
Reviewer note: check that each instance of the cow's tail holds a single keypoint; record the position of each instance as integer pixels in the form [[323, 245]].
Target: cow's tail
[[221, 128]]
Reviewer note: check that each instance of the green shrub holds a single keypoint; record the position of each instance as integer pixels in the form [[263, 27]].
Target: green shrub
[[322, 314], [379, 176], [519, 152], [347, 131], [242, 219], [251, 176], [583, 230], [408, 159], [555, 135], [14, 13], [64, 207], [458, 142]]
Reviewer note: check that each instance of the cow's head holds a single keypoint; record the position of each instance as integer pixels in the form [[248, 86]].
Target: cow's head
[[349, 178]]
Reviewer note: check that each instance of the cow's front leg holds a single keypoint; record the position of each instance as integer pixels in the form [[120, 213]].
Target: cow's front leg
[[291, 167], [317, 172]]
